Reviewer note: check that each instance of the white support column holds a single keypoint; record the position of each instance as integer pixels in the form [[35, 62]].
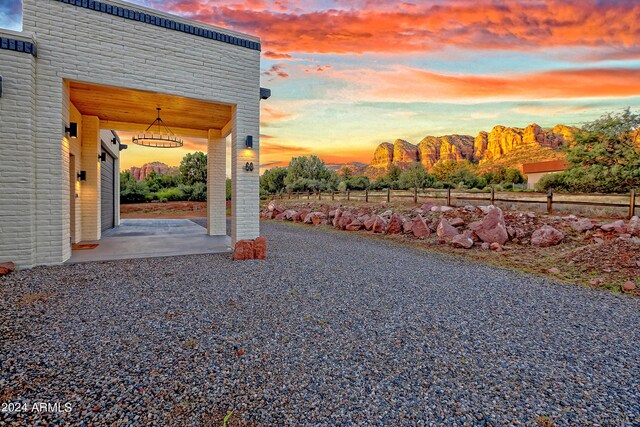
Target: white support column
[[216, 184], [90, 189], [245, 198]]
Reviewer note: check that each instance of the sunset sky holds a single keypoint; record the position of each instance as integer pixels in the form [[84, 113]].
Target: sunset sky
[[349, 74]]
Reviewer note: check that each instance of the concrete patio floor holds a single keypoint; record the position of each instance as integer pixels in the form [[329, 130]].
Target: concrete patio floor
[[150, 238]]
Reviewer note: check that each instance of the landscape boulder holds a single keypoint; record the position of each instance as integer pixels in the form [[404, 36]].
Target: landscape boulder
[[317, 218], [6, 268], [441, 208], [446, 230], [395, 224], [582, 224], [495, 246], [461, 241], [546, 236], [379, 224], [345, 219], [492, 227], [629, 286], [618, 227], [260, 248], [355, 225], [244, 250], [407, 225], [633, 227], [289, 214], [456, 222], [426, 207], [336, 217], [419, 227], [368, 223]]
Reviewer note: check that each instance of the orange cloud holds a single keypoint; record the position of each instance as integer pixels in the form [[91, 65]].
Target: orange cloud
[[277, 70], [275, 55], [409, 84], [366, 26], [271, 114]]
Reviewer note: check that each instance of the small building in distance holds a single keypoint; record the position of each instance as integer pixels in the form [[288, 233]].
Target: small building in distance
[[536, 170]]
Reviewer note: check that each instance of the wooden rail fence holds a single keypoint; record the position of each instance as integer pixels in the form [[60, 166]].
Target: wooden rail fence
[[492, 196]]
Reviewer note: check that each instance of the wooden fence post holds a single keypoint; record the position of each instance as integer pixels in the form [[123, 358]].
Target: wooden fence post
[[320, 195], [550, 201], [493, 195], [366, 195], [333, 195], [449, 196], [308, 194], [415, 195], [289, 195], [389, 195], [348, 195], [632, 203]]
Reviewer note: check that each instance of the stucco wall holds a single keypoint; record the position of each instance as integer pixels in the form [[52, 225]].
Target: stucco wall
[[79, 44]]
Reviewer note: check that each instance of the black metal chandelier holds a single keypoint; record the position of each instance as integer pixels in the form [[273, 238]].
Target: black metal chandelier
[[163, 138]]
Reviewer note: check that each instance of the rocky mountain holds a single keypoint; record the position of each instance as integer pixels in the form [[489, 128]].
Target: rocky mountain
[[139, 173], [508, 146]]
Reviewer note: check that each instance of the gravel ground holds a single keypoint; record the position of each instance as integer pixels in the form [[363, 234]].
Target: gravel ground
[[334, 329]]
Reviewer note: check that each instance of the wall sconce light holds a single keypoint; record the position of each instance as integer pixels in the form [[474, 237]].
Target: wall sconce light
[[82, 176], [249, 167], [249, 142], [72, 130], [102, 157]]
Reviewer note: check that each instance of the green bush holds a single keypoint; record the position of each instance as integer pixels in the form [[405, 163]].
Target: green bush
[[170, 194]]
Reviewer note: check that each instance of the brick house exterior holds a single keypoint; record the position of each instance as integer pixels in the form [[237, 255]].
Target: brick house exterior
[[113, 44]]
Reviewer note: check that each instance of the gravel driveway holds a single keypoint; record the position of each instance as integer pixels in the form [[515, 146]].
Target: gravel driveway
[[334, 329]]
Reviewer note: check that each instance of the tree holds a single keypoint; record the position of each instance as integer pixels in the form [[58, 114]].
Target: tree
[[132, 191], [193, 168], [415, 176], [604, 157], [444, 170], [355, 183], [310, 174], [272, 181]]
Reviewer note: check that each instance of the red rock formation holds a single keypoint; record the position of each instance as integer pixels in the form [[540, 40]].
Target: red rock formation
[[448, 147], [383, 156], [139, 173], [404, 153]]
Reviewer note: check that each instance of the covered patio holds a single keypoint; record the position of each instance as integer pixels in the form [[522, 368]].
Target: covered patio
[[152, 238]]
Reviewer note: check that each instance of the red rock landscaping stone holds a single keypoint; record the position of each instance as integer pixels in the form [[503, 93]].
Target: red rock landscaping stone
[[379, 224], [445, 230], [260, 248], [395, 224], [243, 250], [419, 227], [616, 227], [492, 227], [461, 241], [546, 236], [355, 225], [629, 286]]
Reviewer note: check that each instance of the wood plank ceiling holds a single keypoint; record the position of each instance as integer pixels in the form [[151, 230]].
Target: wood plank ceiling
[[135, 107]]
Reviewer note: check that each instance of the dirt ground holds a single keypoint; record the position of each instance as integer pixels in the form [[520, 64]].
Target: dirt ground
[[169, 210]]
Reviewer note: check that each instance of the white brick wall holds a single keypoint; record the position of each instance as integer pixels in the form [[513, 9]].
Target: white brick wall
[[17, 156], [77, 44]]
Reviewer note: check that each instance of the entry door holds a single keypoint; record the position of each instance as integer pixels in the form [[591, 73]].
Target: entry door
[[107, 191]]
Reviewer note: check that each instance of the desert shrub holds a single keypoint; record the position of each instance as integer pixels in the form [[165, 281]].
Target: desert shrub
[[228, 188], [170, 194]]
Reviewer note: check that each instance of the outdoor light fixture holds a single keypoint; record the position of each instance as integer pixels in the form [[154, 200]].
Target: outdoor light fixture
[[249, 142], [72, 130], [102, 157], [82, 176], [158, 135]]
